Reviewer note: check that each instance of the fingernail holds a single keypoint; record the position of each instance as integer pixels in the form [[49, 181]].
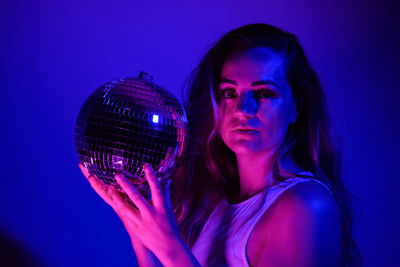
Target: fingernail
[[146, 167], [118, 176]]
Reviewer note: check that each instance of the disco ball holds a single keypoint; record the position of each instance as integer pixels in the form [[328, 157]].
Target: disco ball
[[129, 122]]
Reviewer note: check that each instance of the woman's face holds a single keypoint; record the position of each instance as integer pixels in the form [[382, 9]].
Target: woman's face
[[256, 101]]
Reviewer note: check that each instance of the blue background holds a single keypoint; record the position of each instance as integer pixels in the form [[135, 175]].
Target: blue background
[[55, 53]]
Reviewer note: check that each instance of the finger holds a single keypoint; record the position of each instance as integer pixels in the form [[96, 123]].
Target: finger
[[110, 195], [132, 192], [122, 207], [94, 182], [84, 171], [103, 190], [155, 186]]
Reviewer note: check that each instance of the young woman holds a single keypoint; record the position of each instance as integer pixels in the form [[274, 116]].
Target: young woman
[[261, 182]]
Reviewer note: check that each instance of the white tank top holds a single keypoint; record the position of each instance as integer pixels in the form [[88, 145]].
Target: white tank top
[[223, 239]]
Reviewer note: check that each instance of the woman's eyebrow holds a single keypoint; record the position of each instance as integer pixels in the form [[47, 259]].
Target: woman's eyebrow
[[224, 80], [264, 82], [256, 83]]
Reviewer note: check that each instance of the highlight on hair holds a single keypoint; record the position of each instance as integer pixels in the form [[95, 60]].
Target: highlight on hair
[[209, 171]]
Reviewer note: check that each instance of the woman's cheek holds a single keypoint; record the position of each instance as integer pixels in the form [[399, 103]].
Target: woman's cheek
[[275, 127]]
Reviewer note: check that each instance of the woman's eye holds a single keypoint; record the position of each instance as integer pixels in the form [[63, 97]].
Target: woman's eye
[[228, 93], [265, 94]]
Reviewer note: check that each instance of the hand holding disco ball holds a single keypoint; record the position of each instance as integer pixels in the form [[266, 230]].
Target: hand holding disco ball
[[127, 123]]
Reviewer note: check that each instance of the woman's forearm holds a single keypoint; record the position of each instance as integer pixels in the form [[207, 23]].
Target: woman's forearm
[[144, 256], [179, 255]]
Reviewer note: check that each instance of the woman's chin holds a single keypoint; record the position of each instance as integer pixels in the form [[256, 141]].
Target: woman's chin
[[245, 147]]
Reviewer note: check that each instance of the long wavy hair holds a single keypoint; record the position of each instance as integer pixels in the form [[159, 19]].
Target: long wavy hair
[[210, 170]]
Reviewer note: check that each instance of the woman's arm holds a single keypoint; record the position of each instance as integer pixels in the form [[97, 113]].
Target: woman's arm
[[144, 256], [153, 224], [303, 228]]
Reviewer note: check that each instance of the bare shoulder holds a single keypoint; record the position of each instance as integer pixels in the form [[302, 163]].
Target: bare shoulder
[[309, 198], [301, 228]]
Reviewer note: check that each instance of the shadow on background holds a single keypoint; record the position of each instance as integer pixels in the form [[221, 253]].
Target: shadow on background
[[14, 254]]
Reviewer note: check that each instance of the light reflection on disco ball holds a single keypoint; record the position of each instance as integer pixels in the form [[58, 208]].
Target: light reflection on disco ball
[[128, 122]]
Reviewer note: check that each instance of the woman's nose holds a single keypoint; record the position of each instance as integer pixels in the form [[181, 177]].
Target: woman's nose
[[248, 104]]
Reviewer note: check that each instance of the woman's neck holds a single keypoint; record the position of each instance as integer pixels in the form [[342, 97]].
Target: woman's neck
[[255, 173]]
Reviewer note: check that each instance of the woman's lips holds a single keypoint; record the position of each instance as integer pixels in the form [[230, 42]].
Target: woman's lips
[[245, 131]]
